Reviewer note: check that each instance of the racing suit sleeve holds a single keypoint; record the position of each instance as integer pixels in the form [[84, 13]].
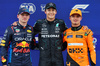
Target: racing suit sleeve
[[4, 45], [91, 48], [64, 46], [36, 28], [64, 26]]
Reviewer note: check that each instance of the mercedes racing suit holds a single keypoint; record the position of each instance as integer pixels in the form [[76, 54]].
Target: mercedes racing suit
[[50, 41], [22, 39], [78, 41]]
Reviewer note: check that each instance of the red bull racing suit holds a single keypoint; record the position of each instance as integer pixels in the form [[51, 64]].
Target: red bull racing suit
[[50, 41], [22, 40], [78, 42]]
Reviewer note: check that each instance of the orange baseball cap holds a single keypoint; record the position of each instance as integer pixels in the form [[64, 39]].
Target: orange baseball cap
[[76, 11]]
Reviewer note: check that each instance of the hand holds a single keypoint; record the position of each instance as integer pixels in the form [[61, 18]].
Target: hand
[[85, 28], [15, 23], [4, 65]]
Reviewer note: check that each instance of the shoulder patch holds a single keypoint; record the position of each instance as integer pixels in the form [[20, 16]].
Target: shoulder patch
[[87, 32]]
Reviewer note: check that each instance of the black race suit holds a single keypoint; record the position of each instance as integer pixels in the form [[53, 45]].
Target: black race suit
[[50, 41]]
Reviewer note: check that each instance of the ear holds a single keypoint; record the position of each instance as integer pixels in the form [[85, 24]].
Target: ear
[[29, 16], [17, 16], [45, 11], [81, 18], [69, 17], [56, 11]]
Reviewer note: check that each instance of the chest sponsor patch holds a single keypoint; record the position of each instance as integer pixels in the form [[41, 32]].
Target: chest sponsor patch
[[70, 36], [79, 36], [75, 44]]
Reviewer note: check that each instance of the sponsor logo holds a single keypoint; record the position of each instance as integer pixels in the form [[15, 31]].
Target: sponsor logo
[[50, 36], [79, 36], [75, 50], [22, 44], [44, 25], [3, 59], [22, 50], [65, 34], [82, 7], [3, 41], [0, 39], [15, 27], [70, 36], [30, 6], [2, 44], [30, 28], [44, 29], [94, 40], [29, 31], [6, 31], [57, 24], [17, 33], [75, 44], [5, 34], [42, 7], [94, 43], [21, 39], [17, 30]]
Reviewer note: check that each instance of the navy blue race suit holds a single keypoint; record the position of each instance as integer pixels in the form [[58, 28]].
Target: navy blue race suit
[[50, 41], [22, 40]]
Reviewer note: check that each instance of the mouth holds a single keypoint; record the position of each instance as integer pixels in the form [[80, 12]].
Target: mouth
[[24, 19], [75, 20]]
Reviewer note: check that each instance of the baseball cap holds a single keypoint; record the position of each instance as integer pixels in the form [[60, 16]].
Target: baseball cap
[[22, 10], [50, 5], [76, 11]]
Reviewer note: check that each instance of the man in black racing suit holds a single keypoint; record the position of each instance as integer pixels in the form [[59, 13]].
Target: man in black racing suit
[[50, 41], [21, 38], [50, 38]]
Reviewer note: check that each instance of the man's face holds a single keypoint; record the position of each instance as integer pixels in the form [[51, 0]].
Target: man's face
[[50, 13], [24, 17], [75, 19]]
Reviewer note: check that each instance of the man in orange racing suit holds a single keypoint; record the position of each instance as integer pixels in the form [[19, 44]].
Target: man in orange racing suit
[[78, 41]]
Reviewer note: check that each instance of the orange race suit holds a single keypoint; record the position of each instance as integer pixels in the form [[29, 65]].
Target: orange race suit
[[78, 42]]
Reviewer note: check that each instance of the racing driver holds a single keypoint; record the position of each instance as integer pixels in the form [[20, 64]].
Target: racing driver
[[21, 38], [78, 41]]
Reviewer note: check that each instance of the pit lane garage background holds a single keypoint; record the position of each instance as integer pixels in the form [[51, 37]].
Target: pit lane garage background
[[90, 10]]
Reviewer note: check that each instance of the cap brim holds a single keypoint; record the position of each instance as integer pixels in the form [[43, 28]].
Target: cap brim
[[75, 14], [51, 7], [26, 13]]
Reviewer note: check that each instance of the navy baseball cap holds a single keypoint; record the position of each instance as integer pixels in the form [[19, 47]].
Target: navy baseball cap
[[50, 5], [23, 10]]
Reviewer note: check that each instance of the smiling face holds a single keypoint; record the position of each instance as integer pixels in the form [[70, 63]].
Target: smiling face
[[75, 19], [23, 18], [50, 14]]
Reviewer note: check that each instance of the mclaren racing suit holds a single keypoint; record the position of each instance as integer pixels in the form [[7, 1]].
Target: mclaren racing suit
[[50, 41], [78, 42], [22, 40]]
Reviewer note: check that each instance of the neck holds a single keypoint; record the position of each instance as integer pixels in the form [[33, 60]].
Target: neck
[[75, 25], [50, 19], [76, 28], [23, 23]]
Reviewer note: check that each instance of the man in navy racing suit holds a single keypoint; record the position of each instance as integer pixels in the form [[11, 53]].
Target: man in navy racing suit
[[22, 40]]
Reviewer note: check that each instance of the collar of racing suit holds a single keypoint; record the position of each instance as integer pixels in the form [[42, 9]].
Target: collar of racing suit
[[76, 28], [51, 22], [21, 25]]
